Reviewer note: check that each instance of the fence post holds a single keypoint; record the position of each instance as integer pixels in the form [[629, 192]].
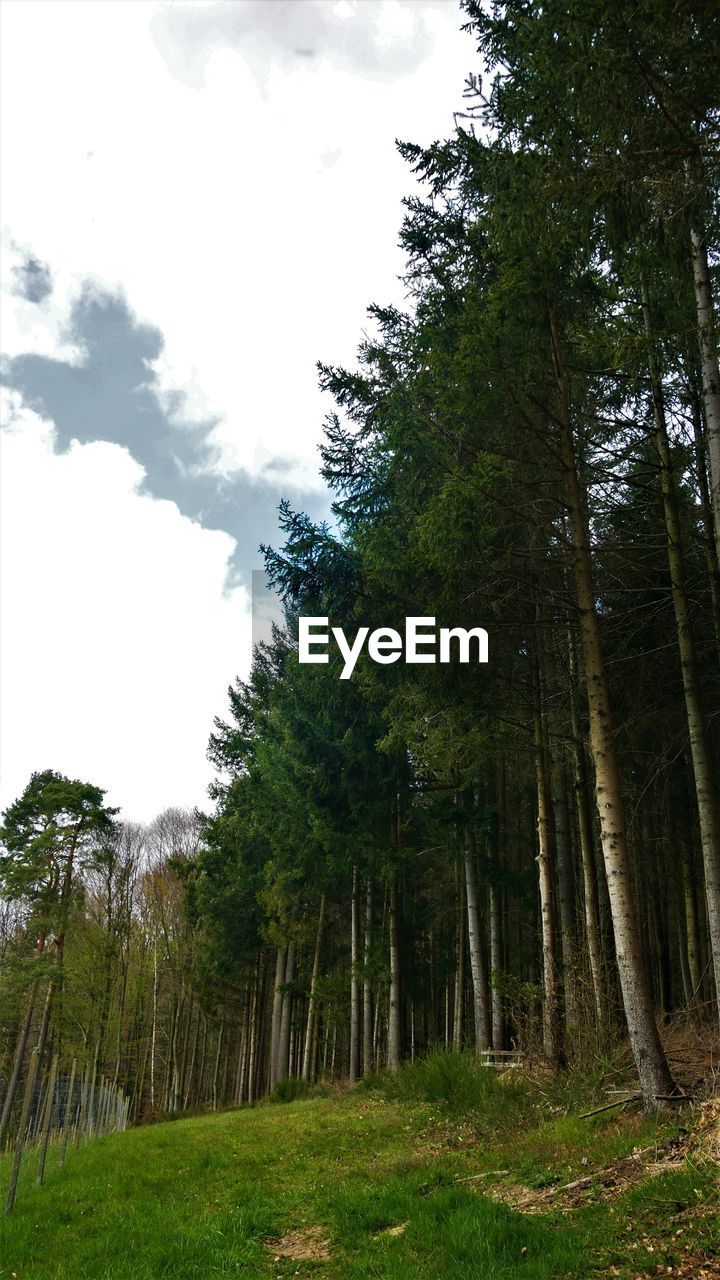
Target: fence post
[[20, 1139], [47, 1120], [82, 1113], [68, 1113], [35, 1124], [101, 1108], [91, 1104]]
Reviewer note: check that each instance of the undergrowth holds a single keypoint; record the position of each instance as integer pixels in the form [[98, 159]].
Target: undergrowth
[[462, 1085]]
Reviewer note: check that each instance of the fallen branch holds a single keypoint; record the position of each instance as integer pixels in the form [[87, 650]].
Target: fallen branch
[[489, 1173], [621, 1102], [579, 1182]]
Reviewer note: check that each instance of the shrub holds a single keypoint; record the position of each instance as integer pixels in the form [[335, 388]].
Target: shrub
[[461, 1084], [289, 1089]]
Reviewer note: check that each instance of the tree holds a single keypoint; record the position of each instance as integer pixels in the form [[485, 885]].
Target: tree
[[48, 836]]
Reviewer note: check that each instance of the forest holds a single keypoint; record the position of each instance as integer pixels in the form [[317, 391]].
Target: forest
[[519, 857]]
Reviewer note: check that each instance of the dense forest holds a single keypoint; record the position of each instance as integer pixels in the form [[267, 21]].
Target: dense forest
[[520, 855]]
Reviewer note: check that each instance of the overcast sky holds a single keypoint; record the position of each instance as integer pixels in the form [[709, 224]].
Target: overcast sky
[[199, 201]]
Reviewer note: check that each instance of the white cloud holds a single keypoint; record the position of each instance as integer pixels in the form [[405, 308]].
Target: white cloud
[[119, 643], [213, 208]]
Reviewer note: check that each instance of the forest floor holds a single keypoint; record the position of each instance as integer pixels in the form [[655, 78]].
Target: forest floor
[[436, 1175]]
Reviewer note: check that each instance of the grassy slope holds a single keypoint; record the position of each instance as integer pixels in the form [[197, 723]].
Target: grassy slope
[[201, 1197]]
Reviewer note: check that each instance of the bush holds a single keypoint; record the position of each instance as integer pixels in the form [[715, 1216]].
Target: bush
[[461, 1084], [289, 1089]]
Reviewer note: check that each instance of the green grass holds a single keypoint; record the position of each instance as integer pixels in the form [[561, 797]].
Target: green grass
[[202, 1197]]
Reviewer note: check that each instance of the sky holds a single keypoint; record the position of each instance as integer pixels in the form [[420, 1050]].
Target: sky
[[198, 202]]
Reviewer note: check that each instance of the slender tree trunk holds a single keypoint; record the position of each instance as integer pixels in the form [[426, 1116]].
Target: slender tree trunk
[[241, 1081], [496, 967], [496, 923], [308, 1067], [368, 1062], [175, 1063], [587, 858], [193, 1059], [253, 1029], [691, 929], [478, 966], [153, 1046], [461, 933], [183, 1060], [705, 791], [216, 1070], [18, 1061], [394, 1047], [120, 1024], [286, 1016], [355, 978], [376, 1028], [650, 1060], [201, 1095], [45, 1021], [552, 1019], [707, 341], [711, 550], [566, 896], [276, 1018], [59, 941]]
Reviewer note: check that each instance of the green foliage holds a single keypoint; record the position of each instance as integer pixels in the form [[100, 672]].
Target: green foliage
[[462, 1085], [54, 821], [289, 1090]]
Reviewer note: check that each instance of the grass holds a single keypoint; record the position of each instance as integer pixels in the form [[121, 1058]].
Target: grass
[[203, 1196]]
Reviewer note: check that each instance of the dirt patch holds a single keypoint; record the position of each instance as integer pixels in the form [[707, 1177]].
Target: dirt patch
[[310, 1244], [388, 1232]]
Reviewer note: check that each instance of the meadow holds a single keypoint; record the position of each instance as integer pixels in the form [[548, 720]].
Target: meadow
[[443, 1171]]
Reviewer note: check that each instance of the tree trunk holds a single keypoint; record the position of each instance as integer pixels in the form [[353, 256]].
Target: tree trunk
[[566, 896], [368, 1061], [707, 801], [253, 1027], [308, 1055], [691, 929], [153, 1041], [650, 1060], [711, 550], [283, 1066], [478, 966], [18, 1060], [394, 1047], [461, 932], [552, 1020], [587, 857], [707, 341], [193, 1058], [355, 978], [496, 967], [276, 1018], [216, 1069]]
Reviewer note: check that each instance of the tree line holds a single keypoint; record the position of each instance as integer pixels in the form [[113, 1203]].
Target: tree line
[[524, 853]]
